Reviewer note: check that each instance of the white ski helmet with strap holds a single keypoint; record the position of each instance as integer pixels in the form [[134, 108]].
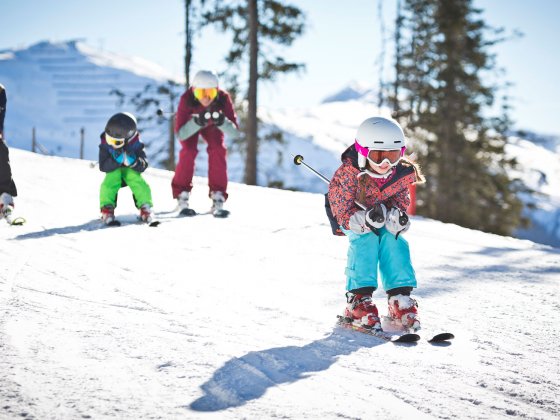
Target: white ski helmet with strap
[[205, 79], [378, 133]]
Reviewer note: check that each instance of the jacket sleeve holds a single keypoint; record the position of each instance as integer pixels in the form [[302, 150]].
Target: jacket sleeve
[[342, 194], [401, 200], [229, 111], [185, 127], [106, 161]]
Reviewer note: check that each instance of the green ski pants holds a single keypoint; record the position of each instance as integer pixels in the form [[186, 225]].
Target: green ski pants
[[114, 181]]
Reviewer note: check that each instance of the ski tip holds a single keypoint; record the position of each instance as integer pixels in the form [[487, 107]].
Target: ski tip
[[438, 338], [187, 213], [154, 223], [406, 338], [113, 223], [18, 221], [221, 214]]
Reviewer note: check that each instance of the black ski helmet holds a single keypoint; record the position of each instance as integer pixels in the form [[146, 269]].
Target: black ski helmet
[[121, 126]]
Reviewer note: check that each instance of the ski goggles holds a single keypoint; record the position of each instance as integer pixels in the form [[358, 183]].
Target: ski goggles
[[114, 142], [377, 157], [200, 93]]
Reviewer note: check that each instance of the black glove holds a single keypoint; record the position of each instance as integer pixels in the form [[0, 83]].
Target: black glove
[[375, 216], [218, 118], [202, 118]]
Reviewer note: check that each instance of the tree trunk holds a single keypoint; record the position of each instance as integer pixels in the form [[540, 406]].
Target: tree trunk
[[398, 27], [252, 129], [188, 43]]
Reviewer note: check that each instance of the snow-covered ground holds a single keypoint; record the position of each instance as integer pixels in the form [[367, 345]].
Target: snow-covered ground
[[234, 318]]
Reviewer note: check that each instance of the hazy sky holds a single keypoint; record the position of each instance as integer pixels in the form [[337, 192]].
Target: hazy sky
[[341, 44]]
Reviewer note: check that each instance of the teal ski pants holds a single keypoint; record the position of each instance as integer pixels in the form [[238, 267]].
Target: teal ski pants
[[114, 181], [369, 254]]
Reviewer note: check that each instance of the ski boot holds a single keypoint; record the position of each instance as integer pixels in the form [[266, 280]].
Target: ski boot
[[403, 311], [146, 213], [108, 216], [218, 200], [183, 204], [361, 310], [6, 205]]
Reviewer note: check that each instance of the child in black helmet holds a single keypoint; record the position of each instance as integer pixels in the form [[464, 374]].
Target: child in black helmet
[[122, 158]]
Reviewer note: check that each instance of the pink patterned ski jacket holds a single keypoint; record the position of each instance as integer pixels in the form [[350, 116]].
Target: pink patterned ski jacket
[[346, 188]]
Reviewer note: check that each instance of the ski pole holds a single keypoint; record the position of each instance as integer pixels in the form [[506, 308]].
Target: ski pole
[[298, 160]]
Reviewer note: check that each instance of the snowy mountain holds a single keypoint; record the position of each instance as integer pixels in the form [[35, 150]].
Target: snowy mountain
[[234, 318], [60, 87], [353, 91]]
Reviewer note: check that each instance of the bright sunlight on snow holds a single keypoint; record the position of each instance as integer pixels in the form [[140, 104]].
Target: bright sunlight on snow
[[235, 318]]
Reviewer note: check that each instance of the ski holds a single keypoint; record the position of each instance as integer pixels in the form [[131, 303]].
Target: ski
[[441, 337], [392, 325], [187, 212], [395, 336], [14, 221], [389, 337], [115, 223], [220, 214]]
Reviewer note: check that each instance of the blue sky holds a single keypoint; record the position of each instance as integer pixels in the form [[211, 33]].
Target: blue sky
[[341, 44]]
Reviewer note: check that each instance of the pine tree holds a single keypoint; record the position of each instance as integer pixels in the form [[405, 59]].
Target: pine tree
[[462, 150], [257, 27], [192, 18]]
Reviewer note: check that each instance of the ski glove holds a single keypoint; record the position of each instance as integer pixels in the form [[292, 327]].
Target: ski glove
[[218, 118], [376, 216], [139, 165], [397, 222], [117, 155], [129, 159], [202, 118]]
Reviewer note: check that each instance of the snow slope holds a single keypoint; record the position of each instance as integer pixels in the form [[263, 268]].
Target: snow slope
[[209, 318]]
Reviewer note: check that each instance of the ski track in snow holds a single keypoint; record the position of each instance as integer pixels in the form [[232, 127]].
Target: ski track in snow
[[234, 318]]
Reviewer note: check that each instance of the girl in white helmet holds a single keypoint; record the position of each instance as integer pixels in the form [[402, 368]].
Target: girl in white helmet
[[368, 196]]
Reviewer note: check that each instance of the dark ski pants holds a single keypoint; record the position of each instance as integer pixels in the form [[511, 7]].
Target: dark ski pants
[[217, 163], [7, 184]]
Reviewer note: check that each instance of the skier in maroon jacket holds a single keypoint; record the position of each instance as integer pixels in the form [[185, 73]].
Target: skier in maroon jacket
[[205, 110]]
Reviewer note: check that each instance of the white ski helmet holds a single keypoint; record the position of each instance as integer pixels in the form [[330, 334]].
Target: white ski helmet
[[378, 133], [205, 79]]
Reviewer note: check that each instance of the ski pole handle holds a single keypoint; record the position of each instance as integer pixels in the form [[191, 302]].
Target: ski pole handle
[[298, 160]]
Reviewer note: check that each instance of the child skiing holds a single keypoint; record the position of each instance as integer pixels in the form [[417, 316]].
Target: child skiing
[[375, 176], [122, 157], [203, 110], [7, 185]]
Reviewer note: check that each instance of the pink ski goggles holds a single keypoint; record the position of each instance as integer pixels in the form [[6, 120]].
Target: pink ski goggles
[[378, 156]]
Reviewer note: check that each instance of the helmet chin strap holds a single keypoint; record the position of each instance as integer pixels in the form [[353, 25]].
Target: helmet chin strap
[[366, 171]]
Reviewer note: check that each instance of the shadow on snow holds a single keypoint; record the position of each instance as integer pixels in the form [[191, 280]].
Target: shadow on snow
[[248, 377]]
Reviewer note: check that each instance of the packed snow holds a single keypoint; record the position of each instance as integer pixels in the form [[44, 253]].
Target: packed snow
[[235, 318]]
